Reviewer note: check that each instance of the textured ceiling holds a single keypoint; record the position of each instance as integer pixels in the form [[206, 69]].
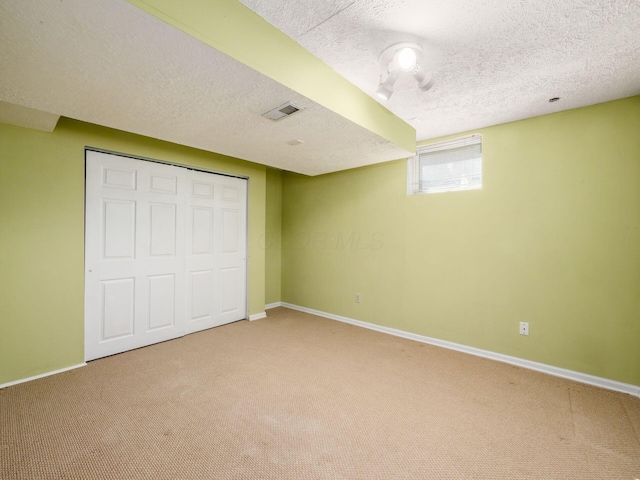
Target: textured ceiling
[[493, 61], [109, 63], [27, 117]]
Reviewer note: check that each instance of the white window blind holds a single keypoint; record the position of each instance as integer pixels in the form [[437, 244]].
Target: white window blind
[[446, 166]]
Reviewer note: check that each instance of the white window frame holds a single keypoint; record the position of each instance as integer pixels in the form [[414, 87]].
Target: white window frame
[[458, 153]]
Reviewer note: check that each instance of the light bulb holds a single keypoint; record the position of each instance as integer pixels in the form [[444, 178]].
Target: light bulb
[[407, 58]]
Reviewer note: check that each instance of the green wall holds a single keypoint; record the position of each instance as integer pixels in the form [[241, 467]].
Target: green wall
[[42, 237], [553, 238], [272, 238]]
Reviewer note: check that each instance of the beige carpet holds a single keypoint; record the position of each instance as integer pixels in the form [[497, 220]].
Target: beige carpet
[[299, 397]]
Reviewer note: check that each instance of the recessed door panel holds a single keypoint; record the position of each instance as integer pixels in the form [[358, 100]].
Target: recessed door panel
[[118, 300], [202, 230], [114, 178], [201, 299], [231, 194], [229, 288], [230, 231], [164, 184], [202, 189], [162, 229], [161, 301], [119, 229]]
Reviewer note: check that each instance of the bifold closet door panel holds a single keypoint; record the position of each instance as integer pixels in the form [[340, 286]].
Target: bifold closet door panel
[[134, 254], [215, 250]]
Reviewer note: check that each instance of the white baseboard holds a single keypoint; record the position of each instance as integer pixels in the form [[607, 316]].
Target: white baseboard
[[520, 362], [42, 375], [257, 316], [269, 306]]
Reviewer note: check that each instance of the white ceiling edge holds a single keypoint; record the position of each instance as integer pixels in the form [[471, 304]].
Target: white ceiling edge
[[20, 116], [111, 64]]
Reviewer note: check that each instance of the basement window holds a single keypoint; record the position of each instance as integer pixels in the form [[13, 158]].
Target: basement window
[[447, 166]]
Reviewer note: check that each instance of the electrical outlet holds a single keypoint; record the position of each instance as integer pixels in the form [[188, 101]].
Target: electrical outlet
[[524, 328], [357, 298]]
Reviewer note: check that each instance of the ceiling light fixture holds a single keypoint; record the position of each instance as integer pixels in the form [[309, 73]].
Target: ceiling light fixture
[[399, 59]]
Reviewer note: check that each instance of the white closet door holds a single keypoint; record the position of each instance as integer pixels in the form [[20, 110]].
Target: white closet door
[[134, 254], [215, 250], [165, 252]]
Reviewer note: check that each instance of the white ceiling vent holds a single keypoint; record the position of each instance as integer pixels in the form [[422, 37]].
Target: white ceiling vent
[[282, 111]]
